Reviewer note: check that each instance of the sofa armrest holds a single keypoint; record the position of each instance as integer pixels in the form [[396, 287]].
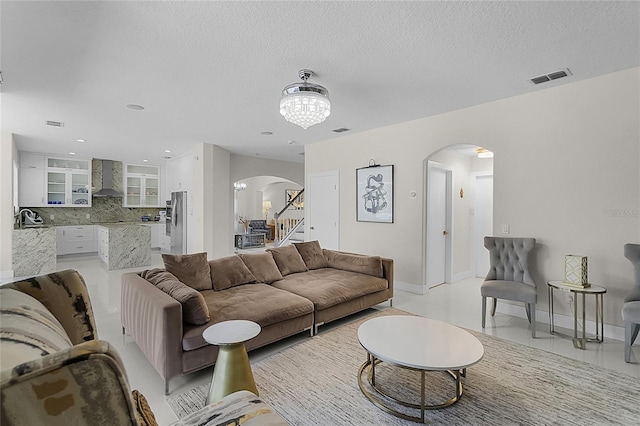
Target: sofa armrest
[[85, 384], [154, 320], [387, 273], [65, 295]]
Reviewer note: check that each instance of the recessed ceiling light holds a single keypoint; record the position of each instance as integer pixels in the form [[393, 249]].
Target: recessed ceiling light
[[81, 140], [292, 142], [167, 151], [266, 133], [145, 161], [135, 107], [72, 153]]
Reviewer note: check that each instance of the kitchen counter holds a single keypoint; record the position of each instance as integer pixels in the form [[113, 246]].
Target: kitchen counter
[[34, 251], [124, 245]]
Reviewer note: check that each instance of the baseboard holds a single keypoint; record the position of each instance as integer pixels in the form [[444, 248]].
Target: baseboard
[[461, 276], [410, 288], [6, 276], [560, 320]]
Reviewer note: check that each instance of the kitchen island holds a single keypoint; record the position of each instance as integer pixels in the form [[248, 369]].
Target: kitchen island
[[34, 251], [124, 245]]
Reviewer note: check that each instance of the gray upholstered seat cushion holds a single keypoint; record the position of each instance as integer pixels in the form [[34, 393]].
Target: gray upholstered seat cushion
[[631, 312], [510, 290]]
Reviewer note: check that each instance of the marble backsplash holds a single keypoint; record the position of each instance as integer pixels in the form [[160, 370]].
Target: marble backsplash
[[102, 210]]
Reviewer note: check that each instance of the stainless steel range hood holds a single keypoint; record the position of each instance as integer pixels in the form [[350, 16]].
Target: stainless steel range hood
[[107, 181]]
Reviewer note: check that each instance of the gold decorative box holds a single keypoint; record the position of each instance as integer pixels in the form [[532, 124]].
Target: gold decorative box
[[575, 270]]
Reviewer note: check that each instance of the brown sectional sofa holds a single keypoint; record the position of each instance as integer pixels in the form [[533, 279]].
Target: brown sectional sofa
[[286, 290]]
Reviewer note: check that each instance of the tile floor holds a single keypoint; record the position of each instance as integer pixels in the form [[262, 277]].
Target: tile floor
[[458, 304]]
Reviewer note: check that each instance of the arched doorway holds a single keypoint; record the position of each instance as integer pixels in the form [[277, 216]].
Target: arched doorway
[[458, 213]]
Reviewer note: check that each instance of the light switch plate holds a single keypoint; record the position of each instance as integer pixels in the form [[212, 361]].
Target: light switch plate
[[505, 229], [51, 216]]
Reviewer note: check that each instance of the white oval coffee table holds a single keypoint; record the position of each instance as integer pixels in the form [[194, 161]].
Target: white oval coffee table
[[419, 344], [232, 371]]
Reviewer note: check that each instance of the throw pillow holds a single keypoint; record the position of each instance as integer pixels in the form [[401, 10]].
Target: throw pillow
[[228, 272], [191, 269], [194, 307], [369, 265], [288, 260], [312, 254], [262, 266], [27, 329]]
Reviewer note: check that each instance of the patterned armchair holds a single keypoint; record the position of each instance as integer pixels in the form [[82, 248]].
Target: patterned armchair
[[260, 226], [54, 370]]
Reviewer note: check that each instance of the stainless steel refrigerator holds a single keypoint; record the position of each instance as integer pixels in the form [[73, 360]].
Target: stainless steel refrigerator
[[177, 222]]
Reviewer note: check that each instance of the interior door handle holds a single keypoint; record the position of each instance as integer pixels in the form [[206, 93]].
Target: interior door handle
[[445, 233], [311, 227]]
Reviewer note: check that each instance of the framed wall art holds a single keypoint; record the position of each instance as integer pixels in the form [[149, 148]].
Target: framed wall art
[[374, 194]]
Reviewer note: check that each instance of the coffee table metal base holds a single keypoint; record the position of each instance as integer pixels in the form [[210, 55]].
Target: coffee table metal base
[[380, 398]]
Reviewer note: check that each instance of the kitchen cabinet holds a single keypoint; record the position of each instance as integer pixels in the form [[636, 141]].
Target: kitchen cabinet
[[159, 238], [68, 182], [75, 239], [142, 186], [31, 180]]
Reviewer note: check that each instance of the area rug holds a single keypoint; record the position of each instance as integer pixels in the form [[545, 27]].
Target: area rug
[[314, 383]]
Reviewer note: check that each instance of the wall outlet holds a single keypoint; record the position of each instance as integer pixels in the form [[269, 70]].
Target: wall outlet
[[51, 216], [88, 216], [505, 229]]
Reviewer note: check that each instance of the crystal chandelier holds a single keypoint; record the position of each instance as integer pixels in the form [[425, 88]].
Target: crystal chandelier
[[305, 104]]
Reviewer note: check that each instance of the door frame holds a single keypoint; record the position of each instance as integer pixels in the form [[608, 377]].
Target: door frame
[[308, 203], [448, 269], [474, 226]]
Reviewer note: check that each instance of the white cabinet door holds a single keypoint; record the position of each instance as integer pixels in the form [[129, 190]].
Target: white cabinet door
[[31, 180], [142, 186], [68, 182], [75, 239]]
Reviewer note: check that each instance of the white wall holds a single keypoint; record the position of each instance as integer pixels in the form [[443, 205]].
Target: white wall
[[8, 153], [243, 167], [566, 171]]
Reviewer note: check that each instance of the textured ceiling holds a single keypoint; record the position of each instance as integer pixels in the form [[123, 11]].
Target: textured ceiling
[[212, 72]]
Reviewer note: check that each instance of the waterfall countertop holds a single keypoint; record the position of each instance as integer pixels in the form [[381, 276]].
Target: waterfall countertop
[[34, 251], [124, 245]]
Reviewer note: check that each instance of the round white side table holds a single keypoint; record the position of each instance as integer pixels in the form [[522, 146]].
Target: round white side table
[[232, 371]]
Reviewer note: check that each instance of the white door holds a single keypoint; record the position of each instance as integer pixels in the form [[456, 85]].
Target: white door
[[438, 224], [322, 209], [483, 226]]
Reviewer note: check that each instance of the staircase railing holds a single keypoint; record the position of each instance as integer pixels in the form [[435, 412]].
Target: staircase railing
[[288, 220]]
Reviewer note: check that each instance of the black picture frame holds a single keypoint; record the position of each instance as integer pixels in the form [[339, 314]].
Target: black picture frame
[[374, 194]]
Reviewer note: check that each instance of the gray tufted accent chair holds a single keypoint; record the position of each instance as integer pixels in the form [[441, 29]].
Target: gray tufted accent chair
[[509, 277], [631, 306]]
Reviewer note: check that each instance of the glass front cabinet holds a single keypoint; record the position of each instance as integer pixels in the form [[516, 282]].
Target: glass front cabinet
[[68, 182], [142, 185]]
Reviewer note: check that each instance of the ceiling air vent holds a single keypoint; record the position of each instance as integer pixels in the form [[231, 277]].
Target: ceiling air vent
[[54, 123], [551, 76], [340, 130]]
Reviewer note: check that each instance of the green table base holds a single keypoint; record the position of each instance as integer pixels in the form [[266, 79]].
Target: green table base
[[231, 373]]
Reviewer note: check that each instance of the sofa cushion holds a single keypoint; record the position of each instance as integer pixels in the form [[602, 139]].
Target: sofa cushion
[[230, 271], [262, 266], [194, 308], [258, 302], [328, 287], [370, 265], [27, 329], [288, 260], [191, 269], [312, 254]]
